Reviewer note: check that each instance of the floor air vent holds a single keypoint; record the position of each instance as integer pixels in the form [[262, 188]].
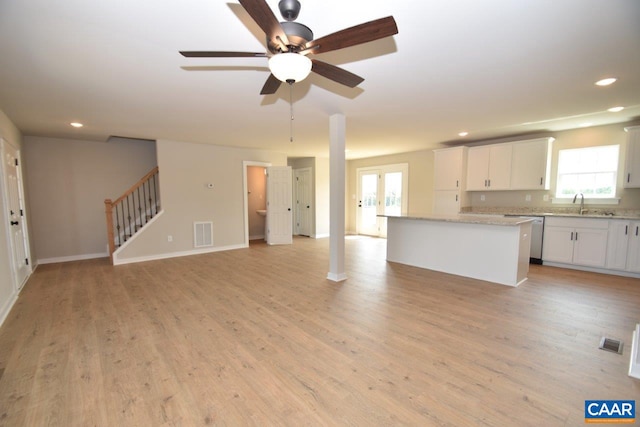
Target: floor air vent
[[610, 344], [202, 234]]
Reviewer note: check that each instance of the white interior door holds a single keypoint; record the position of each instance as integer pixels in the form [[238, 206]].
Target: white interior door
[[279, 200], [303, 201], [16, 215]]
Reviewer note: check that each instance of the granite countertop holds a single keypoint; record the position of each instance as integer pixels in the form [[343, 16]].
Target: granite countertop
[[467, 218], [632, 214]]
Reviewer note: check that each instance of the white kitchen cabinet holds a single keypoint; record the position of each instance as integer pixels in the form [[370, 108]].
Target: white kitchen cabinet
[[531, 164], [633, 250], [617, 244], [623, 247], [446, 202], [489, 167], [632, 164], [579, 241], [450, 169]]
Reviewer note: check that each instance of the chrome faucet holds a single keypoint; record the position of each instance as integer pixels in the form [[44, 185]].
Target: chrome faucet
[[582, 209]]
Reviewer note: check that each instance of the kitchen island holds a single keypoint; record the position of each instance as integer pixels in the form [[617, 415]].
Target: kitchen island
[[491, 248]]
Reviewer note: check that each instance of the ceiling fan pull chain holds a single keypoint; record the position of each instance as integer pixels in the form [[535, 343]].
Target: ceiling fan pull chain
[[291, 109]]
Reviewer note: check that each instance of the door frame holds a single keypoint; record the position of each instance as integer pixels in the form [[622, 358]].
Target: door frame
[[245, 198], [17, 286]]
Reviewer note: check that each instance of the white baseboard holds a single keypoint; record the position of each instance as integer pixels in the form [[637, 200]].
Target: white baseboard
[[72, 258], [117, 261], [321, 236], [634, 363], [337, 277], [591, 269], [257, 237], [4, 311]]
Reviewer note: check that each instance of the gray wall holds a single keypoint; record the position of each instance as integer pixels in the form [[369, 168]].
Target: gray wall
[[68, 181], [185, 171]]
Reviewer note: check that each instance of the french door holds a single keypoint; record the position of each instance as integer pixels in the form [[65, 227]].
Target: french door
[[381, 191]]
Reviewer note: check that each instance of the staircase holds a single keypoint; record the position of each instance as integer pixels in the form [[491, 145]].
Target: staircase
[[130, 212]]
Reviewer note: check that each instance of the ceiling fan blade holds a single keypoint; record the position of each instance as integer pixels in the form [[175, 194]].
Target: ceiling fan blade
[[263, 16], [363, 33], [336, 74], [215, 54], [270, 86]]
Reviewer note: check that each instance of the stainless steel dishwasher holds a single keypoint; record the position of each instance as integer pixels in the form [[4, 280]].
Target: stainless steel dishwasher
[[537, 227]]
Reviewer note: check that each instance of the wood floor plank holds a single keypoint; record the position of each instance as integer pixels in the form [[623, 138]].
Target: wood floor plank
[[258, 336]]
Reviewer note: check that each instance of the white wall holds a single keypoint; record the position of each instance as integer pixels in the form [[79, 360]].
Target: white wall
[[185, 171], [68, 181], [8, 293]]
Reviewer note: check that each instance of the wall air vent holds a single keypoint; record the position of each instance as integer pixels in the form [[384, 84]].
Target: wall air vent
[[202, 234]]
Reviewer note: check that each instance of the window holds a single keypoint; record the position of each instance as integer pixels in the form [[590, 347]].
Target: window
[[591, 171]]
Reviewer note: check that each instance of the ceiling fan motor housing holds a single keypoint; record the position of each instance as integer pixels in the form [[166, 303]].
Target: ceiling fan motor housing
[[298, 34]]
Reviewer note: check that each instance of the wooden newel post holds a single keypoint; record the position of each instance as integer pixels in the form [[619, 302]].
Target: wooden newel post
[[108, 210]]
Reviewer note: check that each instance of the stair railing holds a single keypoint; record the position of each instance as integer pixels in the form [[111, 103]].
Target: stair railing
[[131, 211]]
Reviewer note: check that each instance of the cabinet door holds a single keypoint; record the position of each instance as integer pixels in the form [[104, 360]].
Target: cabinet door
[[448, 169], [590, 247], [632, 166], [558, 244], [500, 166], [530, 165], [617, 244], [478, 168], [446, 202], [633, 250]]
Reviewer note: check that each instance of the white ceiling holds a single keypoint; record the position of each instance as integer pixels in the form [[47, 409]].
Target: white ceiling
[[494, 68]]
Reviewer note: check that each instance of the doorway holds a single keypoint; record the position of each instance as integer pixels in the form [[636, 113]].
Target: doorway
[[381, 191], [16, 219]]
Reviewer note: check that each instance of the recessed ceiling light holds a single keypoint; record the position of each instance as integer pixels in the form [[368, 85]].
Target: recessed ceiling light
[[76, 124], [615, 109], [585, 125], [463, 134], [606, 82]]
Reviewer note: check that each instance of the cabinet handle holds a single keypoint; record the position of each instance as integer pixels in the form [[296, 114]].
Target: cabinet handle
[[571, 236], [540, 180], [576, 236], [457, 183], [636, 230], [485, 182], [626, 230], [456, 197], [489, 181], [629, 177]]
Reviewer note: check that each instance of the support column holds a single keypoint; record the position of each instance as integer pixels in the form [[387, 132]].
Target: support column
[[337, 131]]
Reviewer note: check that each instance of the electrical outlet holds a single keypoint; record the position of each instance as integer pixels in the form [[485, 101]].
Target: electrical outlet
[[527, 198], [169, 238], [482, 198], [545, 198]]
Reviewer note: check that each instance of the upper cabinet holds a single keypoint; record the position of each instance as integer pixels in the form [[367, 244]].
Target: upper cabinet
[[531, 164], [632, 166], [489, 167], [449, 168]]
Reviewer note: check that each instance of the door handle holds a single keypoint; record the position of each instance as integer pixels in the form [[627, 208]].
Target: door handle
[[308, 206], [289, 209], [14, 223]]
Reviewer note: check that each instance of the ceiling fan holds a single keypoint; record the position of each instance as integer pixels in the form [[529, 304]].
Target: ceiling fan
[[289, 44]]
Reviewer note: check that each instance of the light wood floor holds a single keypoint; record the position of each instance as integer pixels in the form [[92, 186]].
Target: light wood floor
[[259, 337]]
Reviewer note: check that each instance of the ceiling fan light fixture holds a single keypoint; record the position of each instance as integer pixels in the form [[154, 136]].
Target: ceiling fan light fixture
[[290, 66]]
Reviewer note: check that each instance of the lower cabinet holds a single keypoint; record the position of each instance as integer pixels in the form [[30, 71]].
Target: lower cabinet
[[623, 249], [578, 241]]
